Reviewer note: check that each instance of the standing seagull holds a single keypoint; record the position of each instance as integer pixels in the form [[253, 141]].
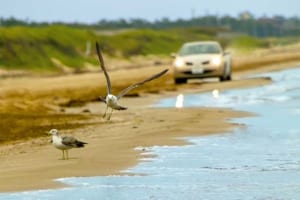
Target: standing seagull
[[65, 143], [112, 100]]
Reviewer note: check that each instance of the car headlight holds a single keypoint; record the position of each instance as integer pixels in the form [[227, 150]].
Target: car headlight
[[216, 60], [178, 62]]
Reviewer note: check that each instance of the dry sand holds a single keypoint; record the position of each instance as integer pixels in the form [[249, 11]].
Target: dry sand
[[33, 164]]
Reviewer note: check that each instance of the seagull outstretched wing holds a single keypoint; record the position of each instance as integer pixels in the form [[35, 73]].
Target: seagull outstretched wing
[[103, 68], [155, 76]]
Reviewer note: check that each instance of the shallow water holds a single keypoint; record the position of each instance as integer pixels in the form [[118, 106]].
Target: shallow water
[[258, 161]]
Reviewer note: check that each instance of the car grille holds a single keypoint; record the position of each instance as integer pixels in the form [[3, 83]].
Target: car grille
[[206, 62], [205, 71]]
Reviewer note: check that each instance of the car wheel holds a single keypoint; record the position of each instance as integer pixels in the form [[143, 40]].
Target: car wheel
[[227, 73], [180, 80], [225, 78], [222, 78]]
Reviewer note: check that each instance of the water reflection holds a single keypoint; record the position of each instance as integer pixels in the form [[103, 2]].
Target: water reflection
[[179, 101], [215, 93]]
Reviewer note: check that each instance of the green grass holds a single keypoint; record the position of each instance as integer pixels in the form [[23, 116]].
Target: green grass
[[33, 48], [284, 41], [249, 43], [147, 41]]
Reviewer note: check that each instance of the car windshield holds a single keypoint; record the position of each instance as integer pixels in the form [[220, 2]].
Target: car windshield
[[192, 49]]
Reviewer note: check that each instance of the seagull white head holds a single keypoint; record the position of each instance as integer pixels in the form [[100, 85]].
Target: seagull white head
[[53, 132]]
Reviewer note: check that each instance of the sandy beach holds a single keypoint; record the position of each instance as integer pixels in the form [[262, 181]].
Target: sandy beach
[[35, 163]]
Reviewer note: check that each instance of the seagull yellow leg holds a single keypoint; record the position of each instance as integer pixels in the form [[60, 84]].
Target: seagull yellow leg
[[110, 114], [63, 154], [105, 111]]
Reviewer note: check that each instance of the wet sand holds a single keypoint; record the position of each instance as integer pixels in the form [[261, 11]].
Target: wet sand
[[33, 164]]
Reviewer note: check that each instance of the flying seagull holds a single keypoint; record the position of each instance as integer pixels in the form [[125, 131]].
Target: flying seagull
[[112, 100], [65, 143]]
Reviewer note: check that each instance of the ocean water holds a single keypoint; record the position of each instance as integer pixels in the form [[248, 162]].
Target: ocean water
[[258, 161]]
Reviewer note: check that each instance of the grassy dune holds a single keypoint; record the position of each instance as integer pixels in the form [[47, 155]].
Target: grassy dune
[[56, 47], [34, 48], [44, 48]]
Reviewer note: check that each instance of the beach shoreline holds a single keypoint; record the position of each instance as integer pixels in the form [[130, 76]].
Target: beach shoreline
[[35, 164]]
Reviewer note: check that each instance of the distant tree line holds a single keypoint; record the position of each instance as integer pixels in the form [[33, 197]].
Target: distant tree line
[[245, 23]]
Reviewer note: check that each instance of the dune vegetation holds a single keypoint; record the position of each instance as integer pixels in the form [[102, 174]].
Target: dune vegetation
[[49, 48], [37, 48]]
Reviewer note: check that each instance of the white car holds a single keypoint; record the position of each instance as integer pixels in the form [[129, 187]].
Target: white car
[[202, 59]]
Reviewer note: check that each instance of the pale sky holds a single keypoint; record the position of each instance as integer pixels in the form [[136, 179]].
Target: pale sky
[[90, 11]]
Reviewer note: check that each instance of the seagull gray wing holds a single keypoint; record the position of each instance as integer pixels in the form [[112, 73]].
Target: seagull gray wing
[[155, 76], [68, 141], [103, 68], [72, 142]]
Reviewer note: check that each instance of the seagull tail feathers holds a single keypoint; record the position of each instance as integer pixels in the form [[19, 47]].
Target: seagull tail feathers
[[121, 108], [80, 144]]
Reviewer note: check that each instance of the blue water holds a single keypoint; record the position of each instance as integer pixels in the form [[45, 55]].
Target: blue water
[[258, 161]]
